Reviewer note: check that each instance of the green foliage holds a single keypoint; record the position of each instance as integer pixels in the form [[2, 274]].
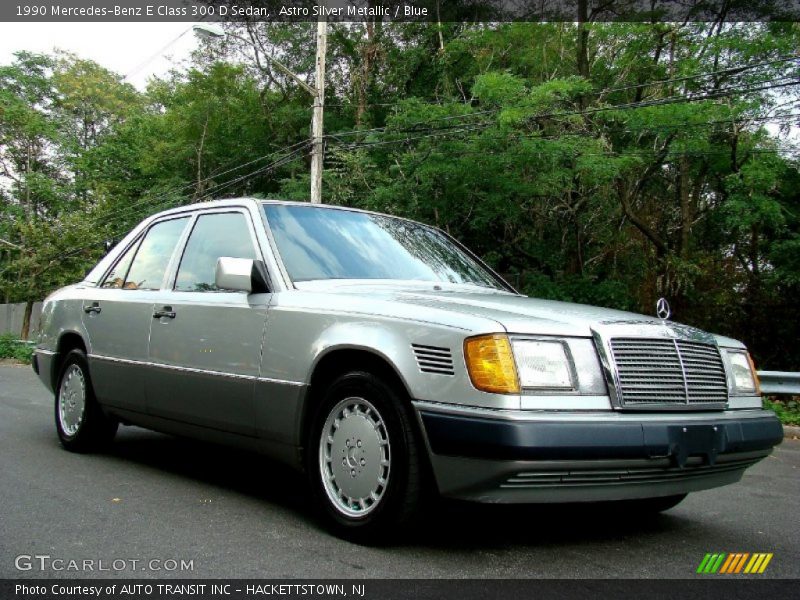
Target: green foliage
[[580, 171], [787, 409], [10, 347]]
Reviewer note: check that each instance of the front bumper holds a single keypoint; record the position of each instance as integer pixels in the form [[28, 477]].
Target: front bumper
[[504, 456]]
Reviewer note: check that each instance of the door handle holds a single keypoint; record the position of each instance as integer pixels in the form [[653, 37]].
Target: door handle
[[94, 308], [165, 312]]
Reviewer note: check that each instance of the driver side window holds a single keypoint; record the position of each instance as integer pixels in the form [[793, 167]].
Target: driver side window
[[214, 235]]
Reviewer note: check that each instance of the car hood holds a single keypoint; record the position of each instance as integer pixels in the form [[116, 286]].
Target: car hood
[[515, 313]]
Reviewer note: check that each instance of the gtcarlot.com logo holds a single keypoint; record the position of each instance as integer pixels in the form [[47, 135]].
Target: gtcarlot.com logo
[[734, 563], [45, 562]]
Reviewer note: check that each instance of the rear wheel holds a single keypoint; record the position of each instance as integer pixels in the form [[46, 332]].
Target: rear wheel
[[363, 459], [81, 424]]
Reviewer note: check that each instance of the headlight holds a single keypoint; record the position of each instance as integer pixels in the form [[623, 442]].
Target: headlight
[[498, 365], [543, 364], [742, 373], [490, 364]]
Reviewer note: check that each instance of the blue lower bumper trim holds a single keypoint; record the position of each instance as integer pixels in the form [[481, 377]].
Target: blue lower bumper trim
[[475, 437]]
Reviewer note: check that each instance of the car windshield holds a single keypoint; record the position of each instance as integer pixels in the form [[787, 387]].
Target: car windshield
[[320, 243]]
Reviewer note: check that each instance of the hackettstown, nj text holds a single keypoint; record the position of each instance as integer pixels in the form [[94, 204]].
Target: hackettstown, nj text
[[301, 589]]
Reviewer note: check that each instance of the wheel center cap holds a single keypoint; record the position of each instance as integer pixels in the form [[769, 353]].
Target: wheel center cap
[[351, 456]]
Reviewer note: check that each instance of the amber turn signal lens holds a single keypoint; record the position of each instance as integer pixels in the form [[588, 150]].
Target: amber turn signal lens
[[756, 380], [490, 363]]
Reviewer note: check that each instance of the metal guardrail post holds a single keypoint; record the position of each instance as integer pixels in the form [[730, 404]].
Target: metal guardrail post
[[779, 382]]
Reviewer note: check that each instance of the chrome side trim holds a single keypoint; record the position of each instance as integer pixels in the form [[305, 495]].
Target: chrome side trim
[[142, 363], [45, 352], [607, 416]]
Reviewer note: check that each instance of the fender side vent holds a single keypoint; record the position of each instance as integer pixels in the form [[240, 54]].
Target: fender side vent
[[432, 359]]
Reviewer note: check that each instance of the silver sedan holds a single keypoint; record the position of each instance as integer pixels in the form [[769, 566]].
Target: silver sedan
[[387, 361]]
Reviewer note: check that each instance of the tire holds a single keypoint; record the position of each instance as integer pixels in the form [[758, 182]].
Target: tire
[[364, 459], [80, 422]]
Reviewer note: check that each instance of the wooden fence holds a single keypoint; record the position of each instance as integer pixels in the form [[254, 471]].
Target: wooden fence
[[12, 315]]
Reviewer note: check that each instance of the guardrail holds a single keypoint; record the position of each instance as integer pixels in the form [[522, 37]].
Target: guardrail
[[779, 382]]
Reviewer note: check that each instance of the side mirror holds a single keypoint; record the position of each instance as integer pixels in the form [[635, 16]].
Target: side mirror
[[241, 274]]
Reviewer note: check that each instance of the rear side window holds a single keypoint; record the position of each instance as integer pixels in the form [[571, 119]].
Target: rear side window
[[214, 235], [116, 276], [152, 259]]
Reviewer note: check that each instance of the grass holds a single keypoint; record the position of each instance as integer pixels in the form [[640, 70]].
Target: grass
[[787, 409], [11, 347]]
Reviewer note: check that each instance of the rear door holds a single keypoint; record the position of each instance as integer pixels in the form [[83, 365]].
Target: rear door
[[117, 315], [205, 343]]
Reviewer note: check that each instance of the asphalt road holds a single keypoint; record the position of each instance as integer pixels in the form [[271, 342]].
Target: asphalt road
[[238, 515]]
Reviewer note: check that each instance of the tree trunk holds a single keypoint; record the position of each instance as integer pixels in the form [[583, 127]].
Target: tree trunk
[[686, 209], [26, 320], [198, 191], [365, 72], [583, 39]]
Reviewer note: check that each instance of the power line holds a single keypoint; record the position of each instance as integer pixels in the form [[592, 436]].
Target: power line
[[702, 75], [730, 70], [413, 125], [604, 91], [170, 194], [134, 210], [725, 92], [533, 135], [155, 55], [151, 202]]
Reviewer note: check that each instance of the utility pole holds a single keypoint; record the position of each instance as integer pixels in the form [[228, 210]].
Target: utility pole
[[317, 139], [213, 31]]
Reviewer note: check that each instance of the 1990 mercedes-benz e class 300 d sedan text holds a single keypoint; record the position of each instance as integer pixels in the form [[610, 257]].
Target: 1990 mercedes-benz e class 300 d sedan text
[[386, 360]]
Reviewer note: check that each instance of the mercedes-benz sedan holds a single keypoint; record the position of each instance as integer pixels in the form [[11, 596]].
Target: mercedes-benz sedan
[[387, 361]]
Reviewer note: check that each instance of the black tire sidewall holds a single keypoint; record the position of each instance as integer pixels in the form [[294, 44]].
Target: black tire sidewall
[[95, 428], [392, 507]]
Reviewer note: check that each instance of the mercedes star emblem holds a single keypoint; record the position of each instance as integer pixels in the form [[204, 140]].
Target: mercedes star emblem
[[662, 309]]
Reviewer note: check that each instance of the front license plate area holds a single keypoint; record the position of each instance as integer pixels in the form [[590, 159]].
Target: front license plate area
[[696, 440]]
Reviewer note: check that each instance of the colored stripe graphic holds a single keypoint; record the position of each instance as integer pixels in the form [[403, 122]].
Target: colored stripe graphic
[[731, 563], [759, 563], [754, 563], [764, 564], [703, 563], [711, 563], [723, 563], [727, 564], [740, 563]]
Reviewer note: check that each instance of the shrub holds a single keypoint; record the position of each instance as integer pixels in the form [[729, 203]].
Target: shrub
[[787, 409], [11, 347]]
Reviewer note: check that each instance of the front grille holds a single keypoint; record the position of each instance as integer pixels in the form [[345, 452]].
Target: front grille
[[433, 359], [667, 371], [650, 471]]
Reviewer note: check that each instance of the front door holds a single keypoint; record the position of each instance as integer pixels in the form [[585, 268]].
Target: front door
[[205, 343]]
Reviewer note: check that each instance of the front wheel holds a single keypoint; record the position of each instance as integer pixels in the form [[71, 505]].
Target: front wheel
[[80, 421], [363, 459]]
